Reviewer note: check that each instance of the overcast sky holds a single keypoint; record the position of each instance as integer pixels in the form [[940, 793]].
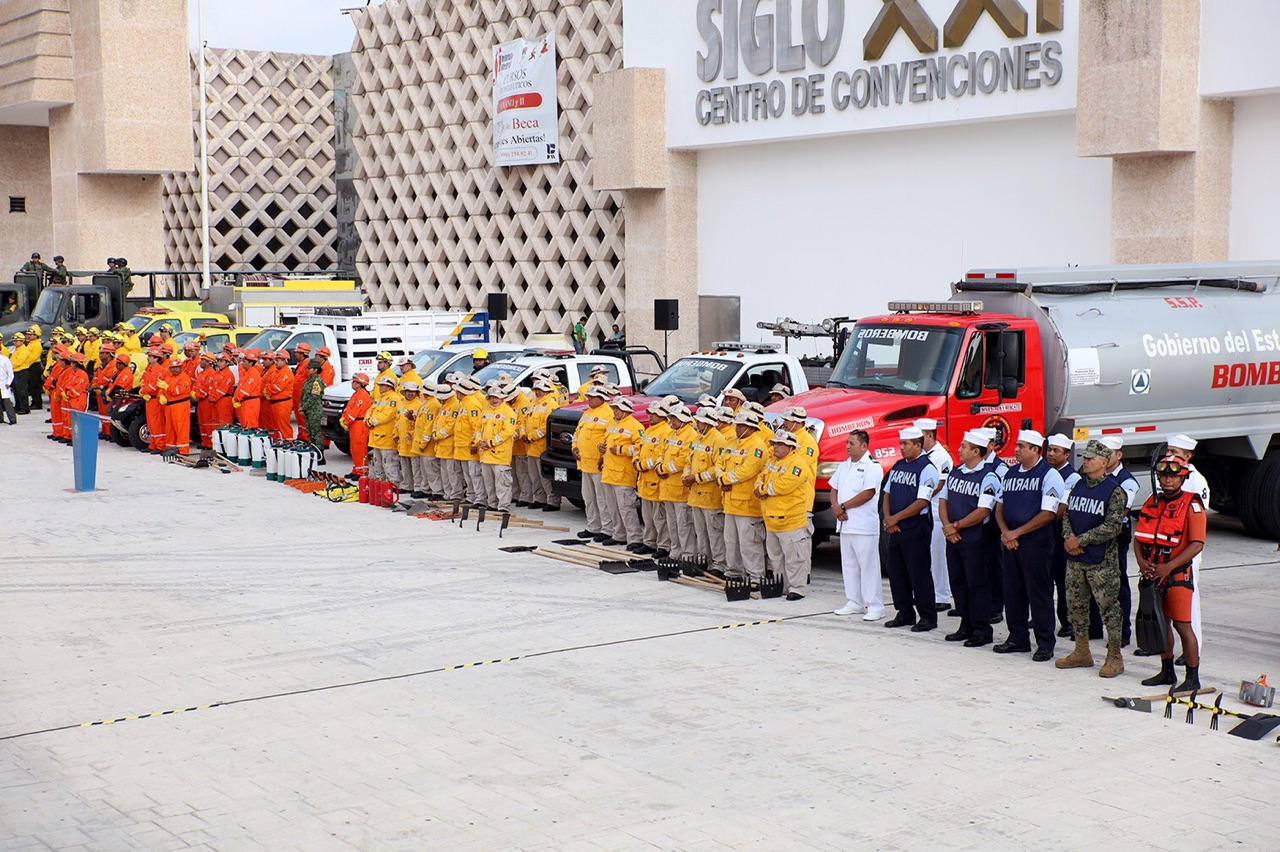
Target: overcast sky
[[287, 26]]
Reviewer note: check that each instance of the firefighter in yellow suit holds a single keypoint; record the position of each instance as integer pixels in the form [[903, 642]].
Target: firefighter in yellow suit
[[652, 444], [706, 500], [587, 439], [384, 458], [744, 534], [785, 493], [619, 476], [406, 427], [673, 493], [497, 441]]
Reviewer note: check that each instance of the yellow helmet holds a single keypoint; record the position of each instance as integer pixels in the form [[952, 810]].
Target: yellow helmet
[[481, 353], [35, 329]]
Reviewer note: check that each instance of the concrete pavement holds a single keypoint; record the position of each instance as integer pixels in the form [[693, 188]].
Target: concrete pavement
[[174, 588]]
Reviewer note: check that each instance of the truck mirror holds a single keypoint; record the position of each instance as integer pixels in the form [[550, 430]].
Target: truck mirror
[[1009, 387], [642, 385]]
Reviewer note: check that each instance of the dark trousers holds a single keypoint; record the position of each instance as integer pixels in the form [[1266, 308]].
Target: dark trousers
[[1028, 585], [35, 385], [971, 586], [10, 413], [1123, 542], [910, 573], [20, 393], [995, 573], [1058, 571]]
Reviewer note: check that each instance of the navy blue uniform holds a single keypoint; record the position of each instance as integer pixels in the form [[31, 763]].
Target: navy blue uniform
[[1027, 582], [1058, 567], [967, 491], [991, 536], [909, 558]]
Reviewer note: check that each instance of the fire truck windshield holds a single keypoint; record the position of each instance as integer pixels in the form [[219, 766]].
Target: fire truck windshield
[[898, 359]]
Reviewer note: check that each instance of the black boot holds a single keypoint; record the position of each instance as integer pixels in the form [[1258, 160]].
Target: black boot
[[1191, 681], [1165, 677]]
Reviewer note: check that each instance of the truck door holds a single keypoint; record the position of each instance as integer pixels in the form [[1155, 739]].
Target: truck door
[[988, 390], [89, 308]]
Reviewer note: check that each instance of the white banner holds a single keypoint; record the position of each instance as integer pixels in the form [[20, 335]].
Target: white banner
[[526, 111]]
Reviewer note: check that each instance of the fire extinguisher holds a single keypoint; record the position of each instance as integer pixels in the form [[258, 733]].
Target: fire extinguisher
[[362, 489]]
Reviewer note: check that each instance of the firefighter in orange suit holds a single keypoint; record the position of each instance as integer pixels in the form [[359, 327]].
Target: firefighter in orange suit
[[175, 396], [278, 391], [302, 352], [100, 384], [200, 396], [352, 421], [124, 377], [248, 395], [150, 389], [221, 389], [73, 386], [60, 355]]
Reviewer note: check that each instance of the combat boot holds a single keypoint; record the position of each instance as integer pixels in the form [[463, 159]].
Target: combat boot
[[1080, 658], [1114, 664], [1191, 682], [1166, 676]]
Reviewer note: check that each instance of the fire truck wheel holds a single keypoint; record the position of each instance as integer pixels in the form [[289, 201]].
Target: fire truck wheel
[[1268, 507], [1248, 492]]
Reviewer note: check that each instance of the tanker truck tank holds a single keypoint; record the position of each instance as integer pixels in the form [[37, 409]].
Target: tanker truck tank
[[1148, 351]]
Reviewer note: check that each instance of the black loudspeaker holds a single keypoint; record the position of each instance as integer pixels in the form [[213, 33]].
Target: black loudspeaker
[[666, 314], [497, 307]]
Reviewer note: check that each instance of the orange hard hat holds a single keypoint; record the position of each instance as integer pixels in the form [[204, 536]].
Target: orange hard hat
[[304, 347], [283, 353], [361, 379], [77, 357], [155, 340], [253, 354], [323, 352], [122, 357]]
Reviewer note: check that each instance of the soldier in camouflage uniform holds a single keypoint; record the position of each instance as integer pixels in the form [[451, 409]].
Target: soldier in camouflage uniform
[[312, 404], [1096, 509]]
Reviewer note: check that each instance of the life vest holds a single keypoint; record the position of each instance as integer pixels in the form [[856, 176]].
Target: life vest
[[1161, 526]]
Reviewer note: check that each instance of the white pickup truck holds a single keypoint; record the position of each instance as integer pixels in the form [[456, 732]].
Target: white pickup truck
[[753, 368]]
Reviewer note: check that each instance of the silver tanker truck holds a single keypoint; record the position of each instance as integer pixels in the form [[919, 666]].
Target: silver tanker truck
[[1136, 351]]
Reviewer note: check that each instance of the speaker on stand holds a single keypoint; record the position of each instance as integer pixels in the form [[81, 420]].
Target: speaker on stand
[[497, 312], [666, 319]]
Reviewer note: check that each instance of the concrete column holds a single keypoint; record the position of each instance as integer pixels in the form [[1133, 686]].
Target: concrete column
[[129, 122], [1138, 103], [660, 190]]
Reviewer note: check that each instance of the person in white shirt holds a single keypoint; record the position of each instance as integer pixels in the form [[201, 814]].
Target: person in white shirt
[[6, 388], [853, 492], [940, 458]]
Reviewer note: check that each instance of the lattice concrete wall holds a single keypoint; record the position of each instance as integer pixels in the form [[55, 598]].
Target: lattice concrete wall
[[272, 194], [439, 225]]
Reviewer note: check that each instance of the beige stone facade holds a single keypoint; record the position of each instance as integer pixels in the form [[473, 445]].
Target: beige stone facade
[[1139, 103], [272, 194], [62, 64], [439, 225]]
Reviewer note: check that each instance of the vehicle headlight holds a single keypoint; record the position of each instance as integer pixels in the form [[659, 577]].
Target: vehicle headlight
[[827, 469]]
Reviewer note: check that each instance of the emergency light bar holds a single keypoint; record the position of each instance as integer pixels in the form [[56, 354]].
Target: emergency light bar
[[741, 346], [936, 307]]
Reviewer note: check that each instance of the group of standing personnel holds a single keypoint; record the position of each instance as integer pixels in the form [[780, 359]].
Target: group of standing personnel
[[1012, 534], [454, 439], [718, 485]]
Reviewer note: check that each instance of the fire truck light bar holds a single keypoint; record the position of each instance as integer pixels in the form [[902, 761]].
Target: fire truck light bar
[[936, 307]]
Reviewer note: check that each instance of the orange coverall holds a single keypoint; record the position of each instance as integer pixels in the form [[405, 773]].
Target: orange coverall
[[177, 411], [249, 395], [353, 418], [74, 385], [278, 390]]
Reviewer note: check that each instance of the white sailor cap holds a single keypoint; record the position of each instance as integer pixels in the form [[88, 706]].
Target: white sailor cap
[[1181, 442], [926, 424], [975, 437], [910, 433], [1112, 442], [1061, 441], [1032, 437]]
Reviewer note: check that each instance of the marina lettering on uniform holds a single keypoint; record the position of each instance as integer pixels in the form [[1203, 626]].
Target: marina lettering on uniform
[[1087, 505], [903, 477]]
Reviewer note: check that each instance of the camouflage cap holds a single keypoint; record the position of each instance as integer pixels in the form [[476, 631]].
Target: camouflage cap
[[1095, 449]]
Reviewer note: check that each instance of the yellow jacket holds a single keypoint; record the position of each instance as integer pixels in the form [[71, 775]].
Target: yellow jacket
[[377, 388], [674, 463], [442, 427], [382, 419], [622, 443], [520, 405], [786, 483], [534, 424], [466, 424], [742, 463], [21, 358], [649, 453], [498, 428], [411, 376], [131, 342], [808, 451], [590, 434], [424, 425], [406, 424], [704, 464]]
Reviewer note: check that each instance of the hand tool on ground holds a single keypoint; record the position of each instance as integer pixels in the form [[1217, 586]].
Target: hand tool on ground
[[736, 589], [1257, 692], [770, 586], [1144, 703], [519, 548], [1150, 626]]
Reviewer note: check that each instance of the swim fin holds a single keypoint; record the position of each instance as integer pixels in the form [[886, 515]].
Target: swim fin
[[1150, 627]]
